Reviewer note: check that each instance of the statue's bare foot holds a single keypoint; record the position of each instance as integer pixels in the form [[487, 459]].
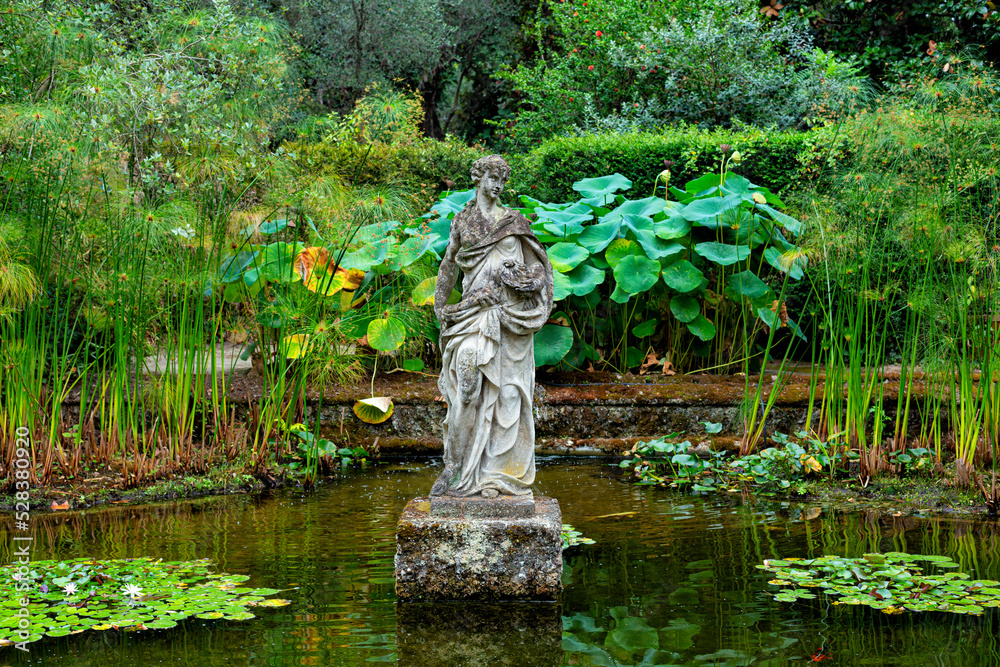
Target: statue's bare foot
[[489, 493], [443, 481]]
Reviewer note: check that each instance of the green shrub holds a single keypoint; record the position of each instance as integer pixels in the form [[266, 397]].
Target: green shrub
[[773, 159], [626, 65], [424, 163]]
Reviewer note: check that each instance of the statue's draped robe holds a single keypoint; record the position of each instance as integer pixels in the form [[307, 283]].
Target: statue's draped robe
[[488, 374]]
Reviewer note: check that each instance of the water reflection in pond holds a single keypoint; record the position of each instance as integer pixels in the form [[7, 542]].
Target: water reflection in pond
[[671, 580]]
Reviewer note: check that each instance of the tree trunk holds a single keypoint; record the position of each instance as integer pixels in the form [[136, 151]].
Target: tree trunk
[[430, 88]]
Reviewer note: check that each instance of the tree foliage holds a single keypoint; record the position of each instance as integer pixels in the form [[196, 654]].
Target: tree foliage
[[623, 66], [193, 100], [893, 38], [445, 49]]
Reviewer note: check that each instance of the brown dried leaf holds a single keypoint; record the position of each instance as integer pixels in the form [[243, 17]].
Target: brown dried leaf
[[781, 312]]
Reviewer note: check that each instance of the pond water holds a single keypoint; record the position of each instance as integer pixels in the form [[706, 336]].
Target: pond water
[[671, 580]]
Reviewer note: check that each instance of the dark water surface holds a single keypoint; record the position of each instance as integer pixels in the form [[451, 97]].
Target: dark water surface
[[671, 580]]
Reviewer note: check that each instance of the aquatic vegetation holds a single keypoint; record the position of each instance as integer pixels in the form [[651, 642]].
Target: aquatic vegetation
[[666, 462], [891, 582], [572, 537], [71, 596]]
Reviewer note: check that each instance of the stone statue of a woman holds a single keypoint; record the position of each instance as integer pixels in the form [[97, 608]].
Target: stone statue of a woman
[[488, 375]]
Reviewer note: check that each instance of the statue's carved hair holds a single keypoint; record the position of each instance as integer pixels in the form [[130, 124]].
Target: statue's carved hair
[[491, 163]]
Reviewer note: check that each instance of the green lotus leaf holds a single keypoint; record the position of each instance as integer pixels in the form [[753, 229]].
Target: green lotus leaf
[[704, 185], [736, 184], [584, 278], [747, 284], [386, 334], [603, 185], [685, 308], [701, 327], [636, 274], [413, 249], [792, 262], [675, 226], [596, 238], [277, 262], [708, 211], [375, 232], [563, 223], [552, 343], [647, 328], [209, 616], [683, 276], [722, 253], [619, 295], [788, 222], [646, 208], [620, 249], [366, 257], [566, 256], [562, 286], [657, 248]]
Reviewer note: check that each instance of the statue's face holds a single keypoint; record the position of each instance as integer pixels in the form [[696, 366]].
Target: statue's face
[[492, 184]]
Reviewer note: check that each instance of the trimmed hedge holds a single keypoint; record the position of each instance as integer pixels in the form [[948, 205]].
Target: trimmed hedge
[[772, 159]]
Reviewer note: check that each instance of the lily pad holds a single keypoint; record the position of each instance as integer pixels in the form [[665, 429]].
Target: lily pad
[[889, 582], [90, 595]]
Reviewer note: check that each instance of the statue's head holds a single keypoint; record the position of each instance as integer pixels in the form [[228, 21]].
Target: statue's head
[[492, 164]]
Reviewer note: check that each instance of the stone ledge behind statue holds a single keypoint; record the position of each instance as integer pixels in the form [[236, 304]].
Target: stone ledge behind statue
[[451, 557]]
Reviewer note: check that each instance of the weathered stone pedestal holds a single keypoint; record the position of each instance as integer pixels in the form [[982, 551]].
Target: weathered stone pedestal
[[479, 549]]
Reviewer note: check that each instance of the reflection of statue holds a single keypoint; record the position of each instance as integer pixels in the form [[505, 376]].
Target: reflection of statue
[[488, 376]]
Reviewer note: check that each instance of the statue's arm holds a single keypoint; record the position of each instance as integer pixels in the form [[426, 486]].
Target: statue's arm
[[447, 273]]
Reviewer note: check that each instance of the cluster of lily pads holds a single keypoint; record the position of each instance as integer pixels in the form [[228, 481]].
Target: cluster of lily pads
[[891, 582], [69, 597], [572, 537]]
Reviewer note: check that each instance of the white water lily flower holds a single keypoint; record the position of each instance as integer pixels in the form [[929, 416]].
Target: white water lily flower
[[132, 591], [70, 588]]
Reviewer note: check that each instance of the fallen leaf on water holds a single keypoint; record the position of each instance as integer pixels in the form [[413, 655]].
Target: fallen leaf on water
[[609, 516], [63, 506]]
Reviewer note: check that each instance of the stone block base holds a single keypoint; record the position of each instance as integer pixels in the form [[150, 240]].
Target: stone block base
[[477, 507], [458, 558]]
